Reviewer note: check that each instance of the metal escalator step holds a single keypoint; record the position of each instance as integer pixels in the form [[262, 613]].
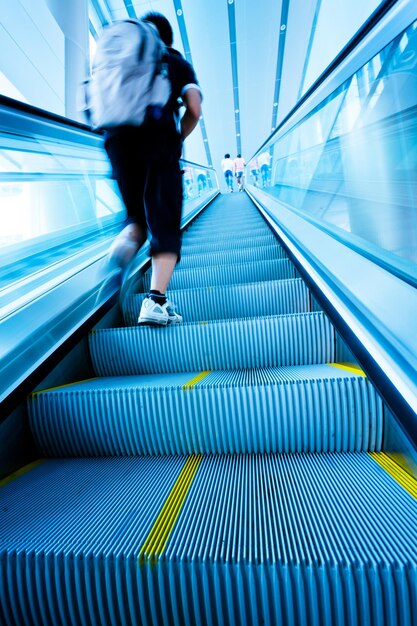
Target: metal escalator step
[[325, 528], [238, 539], [223, 227], [227, 257], [238, 243], [302, 339], [223, 220], [228, 274], [207, 235], [246, 214], [295, 409], [214, 303], [211, 235], [81, 510]]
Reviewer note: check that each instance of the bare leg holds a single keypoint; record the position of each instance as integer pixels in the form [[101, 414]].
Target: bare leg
[[126, 244], [162, 267], [137, 234]]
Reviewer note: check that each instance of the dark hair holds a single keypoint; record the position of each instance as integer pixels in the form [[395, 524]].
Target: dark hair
[[162, 24], [227, 156], [239, 156]]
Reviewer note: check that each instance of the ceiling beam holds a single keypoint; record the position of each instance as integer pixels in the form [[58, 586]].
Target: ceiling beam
[[99, 12], [235, 78], [309, 48], [130, 9], [280, 60], [187, 52]]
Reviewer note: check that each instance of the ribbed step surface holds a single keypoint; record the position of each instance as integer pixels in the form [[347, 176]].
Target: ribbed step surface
[[205, 236], [244, 211], [223, 223], [304, 339], [295, 409], [320, 537], [211, 303], [265, 539], [228, 257], [237, 243], [228, 274]]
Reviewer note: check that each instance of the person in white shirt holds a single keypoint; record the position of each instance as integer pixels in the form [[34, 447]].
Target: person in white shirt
[[188, 182], [254, 170], [264, 160], [228, 169], [201, 181], [239, 166]]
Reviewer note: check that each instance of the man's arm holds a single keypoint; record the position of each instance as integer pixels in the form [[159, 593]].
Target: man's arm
[[192, 101]]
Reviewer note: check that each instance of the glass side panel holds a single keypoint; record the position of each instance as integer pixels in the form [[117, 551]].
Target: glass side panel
[[198, 181], [56, 195], [352, 162], [58, 200]]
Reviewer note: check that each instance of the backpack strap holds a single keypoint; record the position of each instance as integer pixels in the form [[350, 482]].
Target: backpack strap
[[143, 41]]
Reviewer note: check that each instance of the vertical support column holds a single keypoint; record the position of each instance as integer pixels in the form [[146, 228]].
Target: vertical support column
[[72, 18], [67, 204]]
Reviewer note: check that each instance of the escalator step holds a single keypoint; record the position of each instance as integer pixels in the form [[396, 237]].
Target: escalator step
[[302, 339], [228, 274], [208, 235], [211, 303], [238, 243], [227, 257], [224, 224], [236, 539], [296, 409]]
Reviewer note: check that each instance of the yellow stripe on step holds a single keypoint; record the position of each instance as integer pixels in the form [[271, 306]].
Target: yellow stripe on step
[[77, 382], [20, 472], [349, 367], [193, 382], [157, 539], [408, 482]]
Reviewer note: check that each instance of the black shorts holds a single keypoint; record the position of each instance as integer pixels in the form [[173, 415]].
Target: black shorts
[[150, 183]]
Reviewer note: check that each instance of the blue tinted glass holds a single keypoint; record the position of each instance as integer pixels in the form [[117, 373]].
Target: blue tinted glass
[[353, 161]]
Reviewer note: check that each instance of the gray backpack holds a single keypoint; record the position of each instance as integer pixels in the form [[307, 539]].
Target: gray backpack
[[129, 80]]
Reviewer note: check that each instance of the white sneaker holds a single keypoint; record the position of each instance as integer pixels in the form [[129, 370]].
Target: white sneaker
[[154, 314], [125, 246], [173, 316]]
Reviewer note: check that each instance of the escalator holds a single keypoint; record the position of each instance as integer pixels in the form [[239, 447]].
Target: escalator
[[230, 470]]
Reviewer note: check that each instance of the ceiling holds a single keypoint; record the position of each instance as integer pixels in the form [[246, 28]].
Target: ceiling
[[253, 60]]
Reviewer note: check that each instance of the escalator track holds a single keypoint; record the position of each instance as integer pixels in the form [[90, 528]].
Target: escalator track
[[226, 471]]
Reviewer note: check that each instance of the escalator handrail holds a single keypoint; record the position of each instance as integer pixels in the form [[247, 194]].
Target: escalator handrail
[[52, 125]]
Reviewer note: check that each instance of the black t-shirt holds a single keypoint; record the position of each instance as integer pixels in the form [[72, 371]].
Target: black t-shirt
[[162, 138], [181, 75]]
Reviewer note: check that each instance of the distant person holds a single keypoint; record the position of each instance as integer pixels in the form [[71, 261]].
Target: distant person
[[145, 162], [228, 168], [188, 182], [239, 167], [201, 181], [264, 160], [254, 171]]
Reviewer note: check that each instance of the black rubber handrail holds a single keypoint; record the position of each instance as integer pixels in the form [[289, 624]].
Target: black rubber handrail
[[31, 110]]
